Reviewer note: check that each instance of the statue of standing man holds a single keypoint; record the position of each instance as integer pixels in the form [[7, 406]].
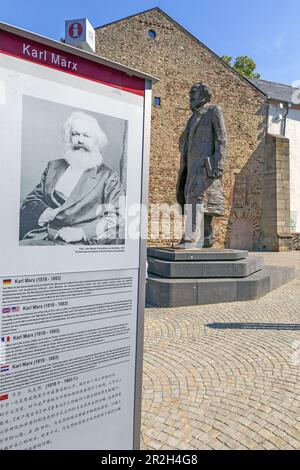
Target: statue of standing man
[[203, 147]]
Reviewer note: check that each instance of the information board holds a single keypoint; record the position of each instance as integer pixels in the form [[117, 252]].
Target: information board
[[75, 142]]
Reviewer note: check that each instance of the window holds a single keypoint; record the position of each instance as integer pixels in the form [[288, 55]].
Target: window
[[157, 101], [151, 34]]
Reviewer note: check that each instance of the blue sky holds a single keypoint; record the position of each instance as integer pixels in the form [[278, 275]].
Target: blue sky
[[266, 30]]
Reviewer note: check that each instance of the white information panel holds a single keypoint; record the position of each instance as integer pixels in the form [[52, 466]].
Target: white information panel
[[72, 133], [35, 116], [68, 360]]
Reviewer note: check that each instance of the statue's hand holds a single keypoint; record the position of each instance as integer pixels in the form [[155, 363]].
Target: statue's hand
[[217, 173]]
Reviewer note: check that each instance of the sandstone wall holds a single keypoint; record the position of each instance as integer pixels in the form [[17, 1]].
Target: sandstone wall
[[179, 60]]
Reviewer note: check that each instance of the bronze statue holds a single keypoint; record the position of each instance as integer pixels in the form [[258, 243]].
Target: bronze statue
[[203, 147]]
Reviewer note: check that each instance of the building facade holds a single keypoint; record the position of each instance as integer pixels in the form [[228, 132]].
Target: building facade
[[284, 120], [153, 42]]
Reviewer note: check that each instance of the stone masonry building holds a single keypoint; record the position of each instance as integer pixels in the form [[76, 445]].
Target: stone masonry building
[[284, 120], [256, 179]]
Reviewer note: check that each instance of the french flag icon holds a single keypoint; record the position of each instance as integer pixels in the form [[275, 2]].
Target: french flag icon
[[5, 339]]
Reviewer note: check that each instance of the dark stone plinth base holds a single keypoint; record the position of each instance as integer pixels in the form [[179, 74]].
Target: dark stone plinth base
[[205, 254], [205, 269], [209, 277]]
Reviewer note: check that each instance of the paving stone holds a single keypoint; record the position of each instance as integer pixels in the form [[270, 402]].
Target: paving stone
[[223, 375]]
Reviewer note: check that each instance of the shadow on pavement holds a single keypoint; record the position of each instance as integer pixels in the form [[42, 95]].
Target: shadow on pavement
[[254, 326]]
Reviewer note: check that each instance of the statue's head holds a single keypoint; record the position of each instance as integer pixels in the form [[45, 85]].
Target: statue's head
[[200, 94]]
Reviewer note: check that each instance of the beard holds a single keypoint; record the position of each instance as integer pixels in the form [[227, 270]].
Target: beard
[[83, 158]]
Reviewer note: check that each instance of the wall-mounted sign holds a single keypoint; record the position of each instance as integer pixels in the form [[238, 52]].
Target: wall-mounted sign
[[80, 33]]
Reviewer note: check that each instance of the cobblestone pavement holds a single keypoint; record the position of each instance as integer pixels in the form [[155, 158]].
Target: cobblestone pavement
[[225, 376]]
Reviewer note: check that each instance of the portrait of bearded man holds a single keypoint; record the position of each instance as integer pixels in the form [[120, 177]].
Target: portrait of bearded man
[[79, 199]]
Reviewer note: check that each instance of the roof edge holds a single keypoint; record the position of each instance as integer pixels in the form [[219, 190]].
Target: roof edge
[[130, 16], [75, 51], [279, 99], [275, 83], [245, 79]]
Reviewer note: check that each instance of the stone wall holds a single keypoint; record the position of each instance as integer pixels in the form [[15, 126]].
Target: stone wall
[[276, 210], [179, 60], [285, 121]]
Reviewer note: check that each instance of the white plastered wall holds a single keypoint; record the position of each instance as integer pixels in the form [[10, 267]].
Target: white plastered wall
[[293, 134], [276, 119]]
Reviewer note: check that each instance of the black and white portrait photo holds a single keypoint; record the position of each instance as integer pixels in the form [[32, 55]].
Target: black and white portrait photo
[[73, 176]]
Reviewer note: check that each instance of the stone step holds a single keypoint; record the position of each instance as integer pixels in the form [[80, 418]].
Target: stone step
[[205, 269], [209, 254], [169, 293]]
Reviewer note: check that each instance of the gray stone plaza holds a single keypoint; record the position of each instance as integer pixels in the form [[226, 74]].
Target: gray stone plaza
[[225, 376]]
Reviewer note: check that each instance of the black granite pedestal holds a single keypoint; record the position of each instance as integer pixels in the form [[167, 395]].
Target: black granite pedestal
[[179, 278]]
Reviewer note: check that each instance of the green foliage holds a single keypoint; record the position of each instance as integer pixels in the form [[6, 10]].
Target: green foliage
[[227, 59], [242, 64]]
